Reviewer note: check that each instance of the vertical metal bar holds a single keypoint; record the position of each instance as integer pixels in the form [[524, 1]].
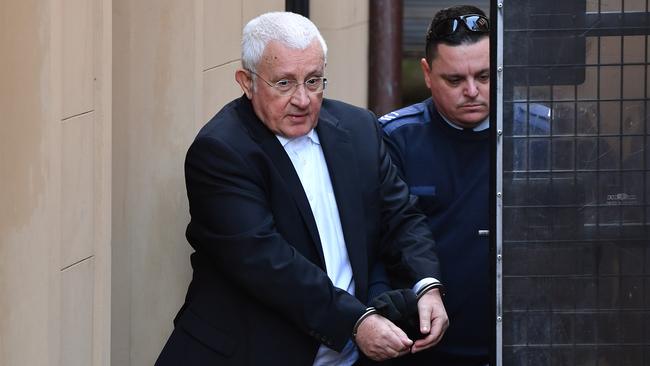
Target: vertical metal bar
[[599, 206], [385, 56], [621, 183], [576, 216], [621, 139], [644, 168], [598, 134], [499, 182]]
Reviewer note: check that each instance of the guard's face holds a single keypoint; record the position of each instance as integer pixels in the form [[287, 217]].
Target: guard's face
[[459, 80], [291, 115]]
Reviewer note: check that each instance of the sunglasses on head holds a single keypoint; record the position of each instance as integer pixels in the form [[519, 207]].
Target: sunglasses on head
[[472, 22]]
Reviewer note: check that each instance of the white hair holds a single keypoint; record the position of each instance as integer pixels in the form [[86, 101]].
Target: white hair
[[290, 29]]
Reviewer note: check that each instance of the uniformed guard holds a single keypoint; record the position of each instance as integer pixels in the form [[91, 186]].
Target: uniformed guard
[[441, 147]]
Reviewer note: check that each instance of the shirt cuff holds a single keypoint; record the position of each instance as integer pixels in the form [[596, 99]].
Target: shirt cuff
[[369, 311], [425, 282]]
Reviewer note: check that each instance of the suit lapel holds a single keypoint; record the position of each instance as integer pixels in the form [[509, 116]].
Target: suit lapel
[[339, 154], [337, 148], [272, 147]]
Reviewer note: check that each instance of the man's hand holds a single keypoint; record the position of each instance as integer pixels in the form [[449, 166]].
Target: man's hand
[[380, 339], [433, 320], [400, 307]]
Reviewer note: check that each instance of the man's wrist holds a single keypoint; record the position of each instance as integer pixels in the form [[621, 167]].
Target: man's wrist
[[429, 286], [369, 311], [423, 282]]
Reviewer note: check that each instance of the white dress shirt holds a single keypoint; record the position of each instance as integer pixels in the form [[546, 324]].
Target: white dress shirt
[[309, 162]]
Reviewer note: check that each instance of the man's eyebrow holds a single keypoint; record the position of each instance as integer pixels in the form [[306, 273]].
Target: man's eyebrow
[[291, 75], [461, 75]]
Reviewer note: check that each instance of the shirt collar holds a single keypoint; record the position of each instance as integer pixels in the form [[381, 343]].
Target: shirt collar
[[312, 135], [484, 125]]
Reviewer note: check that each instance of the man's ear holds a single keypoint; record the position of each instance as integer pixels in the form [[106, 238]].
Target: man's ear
[[426, 72], [244, 80]]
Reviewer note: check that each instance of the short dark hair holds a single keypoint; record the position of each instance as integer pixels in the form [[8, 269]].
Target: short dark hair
[[461, 36]]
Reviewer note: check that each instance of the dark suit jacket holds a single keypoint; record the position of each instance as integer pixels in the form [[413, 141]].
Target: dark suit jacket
[[260, 294]]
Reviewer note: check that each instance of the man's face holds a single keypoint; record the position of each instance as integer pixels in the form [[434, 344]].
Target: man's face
[[459, 80], [289, 115]]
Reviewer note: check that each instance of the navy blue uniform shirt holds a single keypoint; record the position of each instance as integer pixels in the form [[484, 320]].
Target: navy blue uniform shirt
[[448, 169]]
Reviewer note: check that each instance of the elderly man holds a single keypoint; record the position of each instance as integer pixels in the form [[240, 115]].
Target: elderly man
[[292, 197], [441, 148]]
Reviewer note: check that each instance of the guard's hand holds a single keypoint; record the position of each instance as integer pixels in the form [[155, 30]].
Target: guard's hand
[[380, 339], [433, 320]]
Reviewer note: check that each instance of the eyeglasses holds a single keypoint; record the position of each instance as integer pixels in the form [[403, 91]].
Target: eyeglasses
[[313, 85], [472, 22]]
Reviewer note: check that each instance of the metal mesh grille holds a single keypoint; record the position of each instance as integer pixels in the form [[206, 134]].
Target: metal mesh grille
[[576, 174]]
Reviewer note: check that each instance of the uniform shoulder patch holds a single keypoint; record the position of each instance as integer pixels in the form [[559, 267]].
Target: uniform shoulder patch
[[415, 113]]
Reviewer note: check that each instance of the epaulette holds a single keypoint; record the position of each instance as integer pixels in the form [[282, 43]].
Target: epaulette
[[415, 113]]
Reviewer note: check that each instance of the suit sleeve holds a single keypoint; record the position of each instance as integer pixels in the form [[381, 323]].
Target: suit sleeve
[[378, 280], [407, 244], [395, 153], [232, 223]]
